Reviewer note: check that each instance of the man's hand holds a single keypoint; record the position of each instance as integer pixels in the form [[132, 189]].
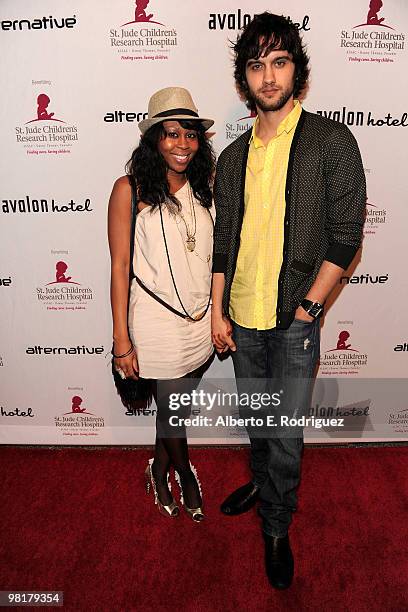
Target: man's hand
[[327, 278], [221, 334], [302, 315]]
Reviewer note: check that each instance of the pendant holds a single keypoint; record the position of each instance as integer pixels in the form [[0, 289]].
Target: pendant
[[190, 243]]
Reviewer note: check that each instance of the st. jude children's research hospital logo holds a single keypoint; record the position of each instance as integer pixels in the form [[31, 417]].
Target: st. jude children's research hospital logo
[[375, 39], [46, 133], [144, 36], [64, 292], [234, 129], [344, 358], [376, 216], [79, 420], [375, 219]]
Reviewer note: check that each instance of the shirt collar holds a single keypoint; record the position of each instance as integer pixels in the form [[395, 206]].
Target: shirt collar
[[286, 125]]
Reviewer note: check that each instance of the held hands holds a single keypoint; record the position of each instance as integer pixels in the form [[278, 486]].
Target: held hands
[[127, 365], [221, 334]]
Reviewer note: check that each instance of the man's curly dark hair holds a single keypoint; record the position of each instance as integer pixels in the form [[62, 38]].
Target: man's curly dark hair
[[149, 170], [266, 33]]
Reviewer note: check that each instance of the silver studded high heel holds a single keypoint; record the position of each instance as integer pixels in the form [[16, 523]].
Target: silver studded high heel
[[172, 510], [196, 514]]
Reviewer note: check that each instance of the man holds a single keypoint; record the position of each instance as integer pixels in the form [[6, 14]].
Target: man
[[290, 200]]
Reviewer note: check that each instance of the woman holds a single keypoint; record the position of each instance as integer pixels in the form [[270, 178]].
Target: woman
[[163, 331]]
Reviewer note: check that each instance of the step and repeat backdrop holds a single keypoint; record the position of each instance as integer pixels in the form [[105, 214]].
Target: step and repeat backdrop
[[76, 79]]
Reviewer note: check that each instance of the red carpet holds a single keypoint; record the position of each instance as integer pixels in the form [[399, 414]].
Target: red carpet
[[78, 520]]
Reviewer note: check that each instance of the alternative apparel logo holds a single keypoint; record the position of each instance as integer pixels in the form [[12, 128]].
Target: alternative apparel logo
[[43, 23], [46, 133], [374, 40], [77, 351], [401, 348], [364, 279], [140, 39], [119, 116]]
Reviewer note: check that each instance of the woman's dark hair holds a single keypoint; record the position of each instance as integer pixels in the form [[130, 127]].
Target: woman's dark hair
[[266, 33], [149, 170]]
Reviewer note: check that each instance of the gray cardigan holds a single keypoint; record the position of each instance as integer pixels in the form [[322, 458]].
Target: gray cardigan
[[325, 208]]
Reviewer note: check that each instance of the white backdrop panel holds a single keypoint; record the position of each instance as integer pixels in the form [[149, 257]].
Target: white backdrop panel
[[94, 76]]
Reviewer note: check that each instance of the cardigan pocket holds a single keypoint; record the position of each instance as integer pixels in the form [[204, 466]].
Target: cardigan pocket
[[300, 282], [301, 266]]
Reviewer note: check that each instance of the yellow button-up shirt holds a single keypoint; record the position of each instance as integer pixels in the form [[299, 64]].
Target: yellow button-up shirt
[[254, 291]]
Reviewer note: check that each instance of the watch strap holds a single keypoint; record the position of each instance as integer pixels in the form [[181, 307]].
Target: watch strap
[[314, 309]]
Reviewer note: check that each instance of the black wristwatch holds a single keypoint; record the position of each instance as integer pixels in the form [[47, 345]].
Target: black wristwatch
[[314, 309]]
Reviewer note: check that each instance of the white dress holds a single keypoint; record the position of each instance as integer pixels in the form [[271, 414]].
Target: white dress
[[167, 345]]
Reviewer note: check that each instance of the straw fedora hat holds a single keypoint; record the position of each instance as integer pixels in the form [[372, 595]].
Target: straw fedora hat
[[172, 103]]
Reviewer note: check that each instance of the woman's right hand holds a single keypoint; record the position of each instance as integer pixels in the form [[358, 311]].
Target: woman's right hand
[[129, 364], [221, 333]]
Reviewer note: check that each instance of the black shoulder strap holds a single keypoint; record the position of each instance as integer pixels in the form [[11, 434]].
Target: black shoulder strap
[[132, 275], [158, 299]]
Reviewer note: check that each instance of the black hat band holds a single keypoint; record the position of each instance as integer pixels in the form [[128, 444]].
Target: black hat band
[[176, 111]]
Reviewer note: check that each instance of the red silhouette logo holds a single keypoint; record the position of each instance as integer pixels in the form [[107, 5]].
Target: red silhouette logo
[[370, 204], [251, 116], [342, 342], [60, 268], [372, 16], [140, 14], [42, 113], [76, 406]]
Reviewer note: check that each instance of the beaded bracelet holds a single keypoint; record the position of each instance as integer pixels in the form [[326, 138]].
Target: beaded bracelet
[[124, 354]]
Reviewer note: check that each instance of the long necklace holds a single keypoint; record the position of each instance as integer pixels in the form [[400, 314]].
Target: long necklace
[[191, 232], [189, 317], [207, 260]]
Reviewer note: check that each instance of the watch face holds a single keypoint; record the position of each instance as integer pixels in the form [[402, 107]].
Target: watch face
[[315, 310]]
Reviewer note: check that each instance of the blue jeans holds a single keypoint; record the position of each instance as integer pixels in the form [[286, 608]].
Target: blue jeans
[[279, 354]]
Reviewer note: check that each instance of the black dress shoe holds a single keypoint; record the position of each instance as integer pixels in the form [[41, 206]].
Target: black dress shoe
[[241, 500], [278, 561]]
